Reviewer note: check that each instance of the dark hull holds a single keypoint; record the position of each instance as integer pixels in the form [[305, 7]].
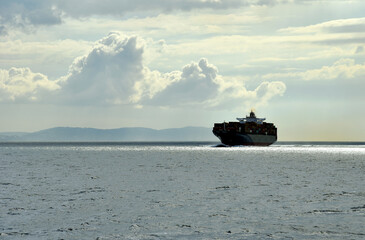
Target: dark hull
[[234, 138]]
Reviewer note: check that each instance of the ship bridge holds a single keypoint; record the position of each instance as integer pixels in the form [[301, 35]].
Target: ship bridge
[[251, 118]]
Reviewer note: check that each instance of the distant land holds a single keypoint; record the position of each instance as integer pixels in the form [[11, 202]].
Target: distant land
[[64, 134]]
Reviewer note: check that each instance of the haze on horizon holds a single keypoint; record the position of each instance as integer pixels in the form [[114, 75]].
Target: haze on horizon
[[169, 64]]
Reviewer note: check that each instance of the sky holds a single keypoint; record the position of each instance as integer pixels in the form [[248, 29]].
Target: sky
[[173, 63]]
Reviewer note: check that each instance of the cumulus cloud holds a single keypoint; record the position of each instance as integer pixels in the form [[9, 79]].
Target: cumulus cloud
[[114, 72], [344, 68], [107, 73], [21, 84], [267, 90], [196, 83], [235, 94]]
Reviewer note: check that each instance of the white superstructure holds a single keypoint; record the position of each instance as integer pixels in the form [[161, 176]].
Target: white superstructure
[[251, 118]]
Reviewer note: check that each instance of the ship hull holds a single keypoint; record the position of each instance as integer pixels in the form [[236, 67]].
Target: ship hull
[[234, 138]]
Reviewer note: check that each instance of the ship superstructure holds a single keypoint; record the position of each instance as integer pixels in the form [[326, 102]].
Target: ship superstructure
[[248, 131]]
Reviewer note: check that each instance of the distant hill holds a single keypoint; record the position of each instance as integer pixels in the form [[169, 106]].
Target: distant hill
[[119, 134]]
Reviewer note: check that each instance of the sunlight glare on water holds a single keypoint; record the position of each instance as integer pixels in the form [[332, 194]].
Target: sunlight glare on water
[[181, 191]]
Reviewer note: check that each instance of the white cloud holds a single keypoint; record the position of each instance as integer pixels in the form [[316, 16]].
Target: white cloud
[[335, 32], [56, 55], [235, 94], [107, 73], [267, 90], [197, 83], [344, 68], [114, 72], [350, 25], [21, 84], [200, 85]]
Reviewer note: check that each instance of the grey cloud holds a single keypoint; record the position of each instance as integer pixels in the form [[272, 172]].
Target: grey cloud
[[3, 31], [359, 49], [353, 28], [122, 7], [84, 8], [339, 41], [31, 13], [44, 17], [27, 14]]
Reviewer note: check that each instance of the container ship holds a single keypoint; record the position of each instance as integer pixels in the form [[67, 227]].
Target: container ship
[[248, 131]]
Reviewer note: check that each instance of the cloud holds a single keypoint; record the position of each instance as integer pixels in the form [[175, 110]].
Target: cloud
[[344, 68], [197, 83], [335, 32], [236, 94], [107, 73], [3, 31], [350, 25], [21, 84], [200, 85], [267, 90], [26, 15], [121, 7], [114, 72], [359, 49], [85, 8]]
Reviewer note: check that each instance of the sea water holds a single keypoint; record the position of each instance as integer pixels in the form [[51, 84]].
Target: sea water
[[181, 191]]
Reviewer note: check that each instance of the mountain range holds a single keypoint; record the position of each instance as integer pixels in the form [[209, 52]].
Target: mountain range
[[120, 134]]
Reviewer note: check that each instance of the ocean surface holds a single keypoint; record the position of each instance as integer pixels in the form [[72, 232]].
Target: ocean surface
[[182, 191]]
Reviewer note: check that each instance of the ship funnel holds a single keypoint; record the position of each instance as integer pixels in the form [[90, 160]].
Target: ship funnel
[[252, 114]]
